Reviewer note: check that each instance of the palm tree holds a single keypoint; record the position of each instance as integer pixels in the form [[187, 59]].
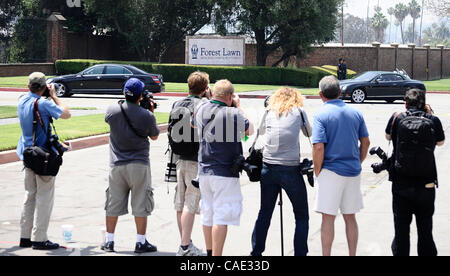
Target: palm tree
[[391, 13], [379, 23], [400, 13], [414, 11]]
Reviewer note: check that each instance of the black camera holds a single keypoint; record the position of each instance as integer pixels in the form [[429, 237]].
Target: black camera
[[195, 182], [239, 165], [47, 91], [54, 142], [146, 102], [385, 161], [306, 168]]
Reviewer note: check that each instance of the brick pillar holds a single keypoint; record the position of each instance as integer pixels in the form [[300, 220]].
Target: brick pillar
[[427, 46], [377, 48], [395, 45], [56, 37], [413, 51], [442, 59]]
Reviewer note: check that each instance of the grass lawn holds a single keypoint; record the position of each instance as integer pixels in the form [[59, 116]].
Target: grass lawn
[[76, 127], [11, 111], [438, 85], [22, 82], [8, 112]]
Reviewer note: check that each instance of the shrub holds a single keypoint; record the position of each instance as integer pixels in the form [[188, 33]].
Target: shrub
[[330, 69], [306, 77]]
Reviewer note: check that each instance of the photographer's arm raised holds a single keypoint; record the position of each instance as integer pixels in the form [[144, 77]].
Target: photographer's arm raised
[[66, 112]]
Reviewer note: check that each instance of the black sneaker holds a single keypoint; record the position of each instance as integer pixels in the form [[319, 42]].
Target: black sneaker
[[108, 247], [145, 248], [48, 245], [25, 243]]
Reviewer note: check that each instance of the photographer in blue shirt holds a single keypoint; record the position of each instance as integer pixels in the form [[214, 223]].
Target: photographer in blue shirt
[[39, 189]]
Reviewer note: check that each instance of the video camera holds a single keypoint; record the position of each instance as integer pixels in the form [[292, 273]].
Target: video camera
[[146, 102], [53, 141], [385, 161]]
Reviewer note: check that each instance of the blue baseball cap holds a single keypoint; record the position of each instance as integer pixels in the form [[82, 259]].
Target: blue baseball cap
[[133, 88]]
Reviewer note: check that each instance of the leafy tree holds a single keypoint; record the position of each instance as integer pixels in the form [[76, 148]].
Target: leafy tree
[[414, 11], [401, 11], [379, 24], [9, 10], [409, 35], [439, 7], [290, 25], [437, 34], [151, 27]]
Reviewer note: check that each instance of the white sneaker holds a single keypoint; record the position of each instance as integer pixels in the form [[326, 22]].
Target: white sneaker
[[190, 251]]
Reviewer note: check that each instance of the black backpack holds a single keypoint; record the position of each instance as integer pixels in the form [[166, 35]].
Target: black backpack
[[183, 139], [414, 154]]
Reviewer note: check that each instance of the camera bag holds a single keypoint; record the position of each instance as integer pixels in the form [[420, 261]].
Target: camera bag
[[256, 156], [42, 161]]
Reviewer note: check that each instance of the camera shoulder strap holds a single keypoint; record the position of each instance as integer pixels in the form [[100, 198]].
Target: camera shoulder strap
[[258, 131], [37, 118], [128, 120], [306, 128]]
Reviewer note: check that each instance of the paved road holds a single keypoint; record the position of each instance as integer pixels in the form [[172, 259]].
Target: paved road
[[81, 185]]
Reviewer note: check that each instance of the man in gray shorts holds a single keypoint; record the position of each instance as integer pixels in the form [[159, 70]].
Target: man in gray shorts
[[131, 125]]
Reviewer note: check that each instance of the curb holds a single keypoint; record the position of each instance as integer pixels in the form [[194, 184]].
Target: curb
[[77, 144]]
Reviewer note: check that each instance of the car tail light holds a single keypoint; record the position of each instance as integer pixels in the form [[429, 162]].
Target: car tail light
[[156, 79]]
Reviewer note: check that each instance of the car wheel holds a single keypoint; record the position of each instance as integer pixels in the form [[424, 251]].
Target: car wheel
[[62, 91], [358, 96]]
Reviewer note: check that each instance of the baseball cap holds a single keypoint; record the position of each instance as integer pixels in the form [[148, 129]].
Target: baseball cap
[[133, 88], [37, 80]]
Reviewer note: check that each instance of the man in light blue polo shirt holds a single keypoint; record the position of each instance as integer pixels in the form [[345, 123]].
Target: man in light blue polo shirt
[[39, 189], [341, 142]]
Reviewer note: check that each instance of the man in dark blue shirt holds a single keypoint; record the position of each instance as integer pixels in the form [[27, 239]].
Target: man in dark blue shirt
[[221, 124]]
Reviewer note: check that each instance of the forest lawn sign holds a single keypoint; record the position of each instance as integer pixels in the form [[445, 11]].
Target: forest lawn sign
[[213, 50]]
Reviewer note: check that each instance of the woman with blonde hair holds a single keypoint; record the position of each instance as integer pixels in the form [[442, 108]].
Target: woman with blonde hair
[[281, 167]]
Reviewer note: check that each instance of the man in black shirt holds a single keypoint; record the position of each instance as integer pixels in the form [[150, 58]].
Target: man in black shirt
[[413, 194]]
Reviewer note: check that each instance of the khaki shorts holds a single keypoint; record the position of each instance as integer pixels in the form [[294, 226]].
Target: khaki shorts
[[186, 195], [132, 177]]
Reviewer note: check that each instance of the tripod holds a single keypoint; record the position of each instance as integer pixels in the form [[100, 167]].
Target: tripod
[[280, 202]]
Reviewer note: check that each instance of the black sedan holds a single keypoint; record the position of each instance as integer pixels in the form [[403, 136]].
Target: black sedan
[[105, 79], [377, 85]]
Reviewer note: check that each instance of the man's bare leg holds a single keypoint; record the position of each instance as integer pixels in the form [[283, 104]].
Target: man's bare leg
[[351, 229], [219, 234], [327, 232], [111, 223], [207, 233], [187, 222], [141, 225]]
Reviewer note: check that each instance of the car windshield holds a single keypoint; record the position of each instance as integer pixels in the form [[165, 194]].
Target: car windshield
[[367, 76]]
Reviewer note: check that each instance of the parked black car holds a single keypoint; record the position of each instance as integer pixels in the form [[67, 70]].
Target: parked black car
[[378, 85], [105, 79]]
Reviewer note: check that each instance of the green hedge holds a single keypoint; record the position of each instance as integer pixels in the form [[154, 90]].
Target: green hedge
[[308, 77]]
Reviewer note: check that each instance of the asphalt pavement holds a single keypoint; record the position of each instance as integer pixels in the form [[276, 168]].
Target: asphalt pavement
[[83, 179]]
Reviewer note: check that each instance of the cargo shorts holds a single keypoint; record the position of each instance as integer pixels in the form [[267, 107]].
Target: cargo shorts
[[186, 195], [134, 178]]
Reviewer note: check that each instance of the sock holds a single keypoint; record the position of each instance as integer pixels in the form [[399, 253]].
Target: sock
[[140, 238], [184, 247], [209, 253], [109, 237]]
